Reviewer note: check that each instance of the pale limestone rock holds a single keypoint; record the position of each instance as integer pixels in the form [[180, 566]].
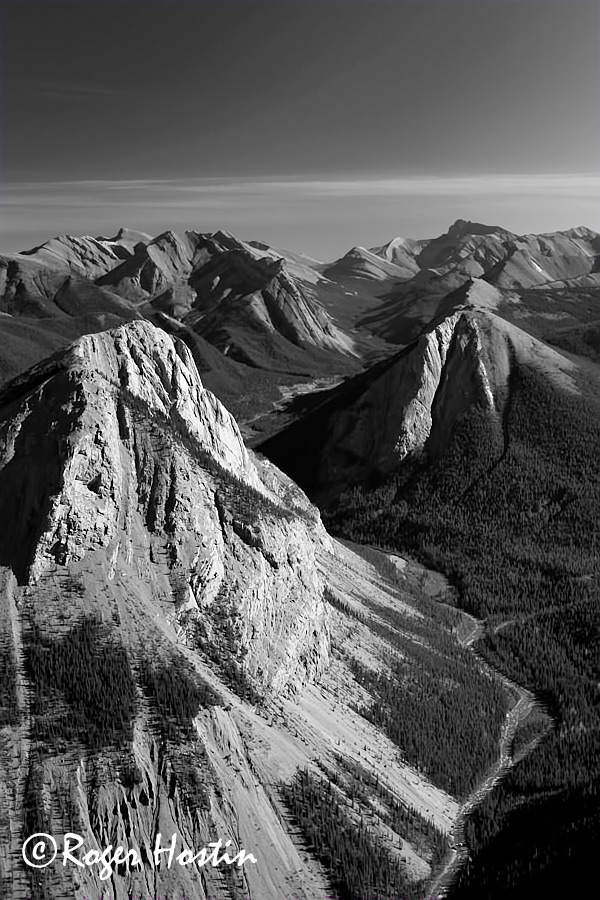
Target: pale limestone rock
[[107, 409]]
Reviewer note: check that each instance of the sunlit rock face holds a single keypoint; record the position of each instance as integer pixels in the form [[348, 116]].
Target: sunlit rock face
[[115, 445]]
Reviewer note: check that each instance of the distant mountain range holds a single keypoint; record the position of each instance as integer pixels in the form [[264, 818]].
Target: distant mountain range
[[277, 311]]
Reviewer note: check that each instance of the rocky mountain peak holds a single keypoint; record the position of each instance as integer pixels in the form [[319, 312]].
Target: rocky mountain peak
[[463, 227], [160, 371], [87, 256], [65, 422], [128, 237]]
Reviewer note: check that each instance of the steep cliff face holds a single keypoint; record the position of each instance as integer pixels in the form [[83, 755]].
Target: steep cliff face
[[166, 637], [368, 426], [104, 449], [122, 475]]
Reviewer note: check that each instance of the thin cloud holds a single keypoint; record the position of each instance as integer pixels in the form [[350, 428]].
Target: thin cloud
[[96, 183], [558, 184], [410, 186], [321, 216], [457, 185]]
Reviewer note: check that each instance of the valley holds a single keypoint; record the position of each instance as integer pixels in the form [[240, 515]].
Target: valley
[[518, 717], [304, 554]]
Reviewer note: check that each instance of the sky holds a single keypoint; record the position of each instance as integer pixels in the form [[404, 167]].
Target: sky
[[309, 124]]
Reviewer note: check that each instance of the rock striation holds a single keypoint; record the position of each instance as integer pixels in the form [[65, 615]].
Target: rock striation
[[238, 294], [96, 413]]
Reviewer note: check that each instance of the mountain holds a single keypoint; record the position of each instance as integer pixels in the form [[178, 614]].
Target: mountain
[[510, 262], [189, 646], [301, 266], [279, 334], [475, 448], [367, 264], [467, 244], [411, 402], [86, 256], [185, 647], [31, 288], [402, 252], [534, 260], [43, 307], [239, 298], [152, 267]]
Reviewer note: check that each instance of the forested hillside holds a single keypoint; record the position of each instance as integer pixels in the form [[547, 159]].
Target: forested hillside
[[510, 514]]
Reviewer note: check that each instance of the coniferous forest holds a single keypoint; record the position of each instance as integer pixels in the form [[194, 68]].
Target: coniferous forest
[[433, 703], [9, 713], [339, 835], [510, 514], [83, 687], [176, 694]]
